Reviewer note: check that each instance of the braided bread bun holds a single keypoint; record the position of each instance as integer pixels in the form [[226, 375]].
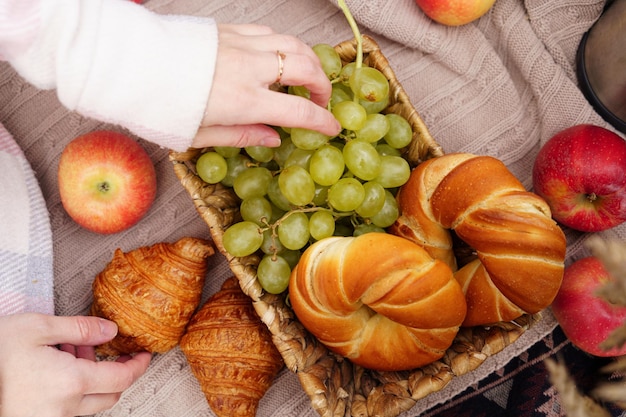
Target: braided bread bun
[[377, 299], [520, 249]]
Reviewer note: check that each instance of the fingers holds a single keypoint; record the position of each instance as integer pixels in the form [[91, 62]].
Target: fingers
[[285, 110], [107, 380], [95, 403], [115, 376], [288, 110], [302, 70], [76, 330], [238, 136], [250, 59], [82, 352]]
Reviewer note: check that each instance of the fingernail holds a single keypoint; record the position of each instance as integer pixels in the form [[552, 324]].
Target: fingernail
[[271, 141], [337, 126], [108, 328]]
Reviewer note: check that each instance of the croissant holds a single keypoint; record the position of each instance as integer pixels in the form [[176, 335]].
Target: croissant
[[230, 352], [520, 249], [377, 299], [151, 293]]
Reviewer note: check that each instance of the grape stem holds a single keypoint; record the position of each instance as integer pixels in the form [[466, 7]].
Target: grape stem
[[355, 30]]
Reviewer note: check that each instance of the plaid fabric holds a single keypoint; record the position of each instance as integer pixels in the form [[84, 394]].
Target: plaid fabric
[[26, 278]]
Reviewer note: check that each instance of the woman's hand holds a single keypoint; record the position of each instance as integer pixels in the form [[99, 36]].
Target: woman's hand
[[241, 104], [38, 377]]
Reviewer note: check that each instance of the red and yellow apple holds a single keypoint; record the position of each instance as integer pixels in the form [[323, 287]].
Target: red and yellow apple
[[107, 181], [586, 319], [581, 173], [454, 12]]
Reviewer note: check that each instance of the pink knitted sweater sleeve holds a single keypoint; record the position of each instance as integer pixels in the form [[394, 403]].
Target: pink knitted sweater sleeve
[[115, 61]]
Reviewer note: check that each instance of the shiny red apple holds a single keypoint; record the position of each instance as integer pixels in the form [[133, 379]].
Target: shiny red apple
[[586, 319], [581, 173], [107, 181], [454, 12]]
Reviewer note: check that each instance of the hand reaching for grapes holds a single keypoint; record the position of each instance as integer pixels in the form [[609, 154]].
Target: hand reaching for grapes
[[60, 382], [241, 105]]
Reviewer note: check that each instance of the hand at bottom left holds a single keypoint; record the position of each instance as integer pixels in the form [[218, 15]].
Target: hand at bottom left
[[48, 366]]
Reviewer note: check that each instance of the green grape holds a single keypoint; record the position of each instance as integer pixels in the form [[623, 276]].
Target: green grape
[[235, 166], [350, 115], [384, 149], [296, 185], [375, 128], [227, 151], [339, 93], [346, 194], [277, 212], [291, 256], [395, 171], [374, 199], [362, 159], [329, 58], [326, 165], [388, 214], [293, 230], [282, 152], [242, 239], [271, 244], [260, 153], [273, 273], [300, 157], [369, 84], [321, 195], [346, 73], [363, 228], [373, 107], [276, 196], [257, 210], [211, 167], [321, 224], [307, 138], [298, 90], [252, 182], [400, 133]]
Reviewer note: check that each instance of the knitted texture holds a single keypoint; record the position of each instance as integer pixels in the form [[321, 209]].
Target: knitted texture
[[500, 86]]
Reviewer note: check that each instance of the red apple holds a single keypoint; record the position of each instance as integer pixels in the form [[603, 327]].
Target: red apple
[[581, 173], [586, 319], [454, 12], [107, 181]]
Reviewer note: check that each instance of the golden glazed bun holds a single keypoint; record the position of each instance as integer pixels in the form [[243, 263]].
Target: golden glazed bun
[[520, 249], [377, 299]]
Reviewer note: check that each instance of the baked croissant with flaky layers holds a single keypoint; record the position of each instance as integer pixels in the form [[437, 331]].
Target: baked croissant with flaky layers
[[377, 299], [151, 293], [520, 250], [230, 352]]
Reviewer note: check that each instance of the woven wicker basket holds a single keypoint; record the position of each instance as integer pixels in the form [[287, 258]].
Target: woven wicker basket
[[336, 387]]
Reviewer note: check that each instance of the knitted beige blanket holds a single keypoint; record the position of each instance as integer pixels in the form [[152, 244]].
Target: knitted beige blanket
[[500, 86]]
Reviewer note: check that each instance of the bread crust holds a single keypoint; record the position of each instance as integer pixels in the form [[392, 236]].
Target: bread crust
[[377, 299], [520, 249]]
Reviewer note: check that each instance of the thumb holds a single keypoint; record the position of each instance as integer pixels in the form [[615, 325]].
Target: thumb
[[76, 330], [238, 136]]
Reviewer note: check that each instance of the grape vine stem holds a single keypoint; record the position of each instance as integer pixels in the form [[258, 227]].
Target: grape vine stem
[[355, 30]]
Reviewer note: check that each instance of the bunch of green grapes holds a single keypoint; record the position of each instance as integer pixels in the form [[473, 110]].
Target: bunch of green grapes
[[314, 186]]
